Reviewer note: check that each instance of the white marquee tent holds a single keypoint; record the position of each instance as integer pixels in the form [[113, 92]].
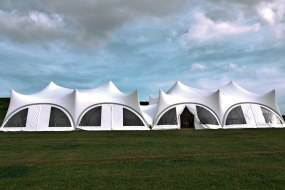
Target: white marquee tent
[[231, 106], [119, 111], [60, 109], [106, 108], [48, 110]]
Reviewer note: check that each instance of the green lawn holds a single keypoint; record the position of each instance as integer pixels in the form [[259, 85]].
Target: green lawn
[[208, 159]]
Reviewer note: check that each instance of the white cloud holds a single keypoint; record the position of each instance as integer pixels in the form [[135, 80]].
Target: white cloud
[[204, 29], [237, 68], [46, 21], [273, 13], [267, 14], [198, 67]]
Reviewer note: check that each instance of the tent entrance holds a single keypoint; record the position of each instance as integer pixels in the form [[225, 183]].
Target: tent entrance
[[186, 119]]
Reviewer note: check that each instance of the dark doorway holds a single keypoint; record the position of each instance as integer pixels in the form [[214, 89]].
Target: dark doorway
[[186, 119]]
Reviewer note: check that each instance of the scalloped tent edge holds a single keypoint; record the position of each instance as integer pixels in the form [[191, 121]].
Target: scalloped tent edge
[[76, 102], [219, 103]]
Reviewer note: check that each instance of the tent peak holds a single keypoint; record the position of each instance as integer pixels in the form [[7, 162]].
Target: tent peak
[[180, 88], [231, 83], [270, 93], [232, 88], [178, 82], [51, 82], [15, 92], [53, 85], [108, 89], [110, 82], [110, 86], [217, 91]]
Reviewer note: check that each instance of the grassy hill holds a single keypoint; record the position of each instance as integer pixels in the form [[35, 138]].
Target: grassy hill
[[207, 159]]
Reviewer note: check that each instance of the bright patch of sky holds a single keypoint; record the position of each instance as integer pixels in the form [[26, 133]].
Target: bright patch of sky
[[142, 44]]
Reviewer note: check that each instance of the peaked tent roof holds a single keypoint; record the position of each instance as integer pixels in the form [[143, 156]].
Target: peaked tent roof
[[219, 101], [179, 88], [233, 87], [232, 94], [210, 101], [51, 94], [107, 93], [52, 90], [76, 101], [108, 89]]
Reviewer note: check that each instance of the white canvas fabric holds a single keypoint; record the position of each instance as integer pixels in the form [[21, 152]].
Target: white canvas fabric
[[149, 112], [153, 100], [230, 106], [75, 103], [112, 101], [219, 103], [39, 105]]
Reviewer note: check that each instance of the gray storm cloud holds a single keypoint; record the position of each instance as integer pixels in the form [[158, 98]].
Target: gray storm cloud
[[82, 22], [88, 22]]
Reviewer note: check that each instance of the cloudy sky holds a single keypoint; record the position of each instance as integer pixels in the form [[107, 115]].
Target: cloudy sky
[[143, 44]]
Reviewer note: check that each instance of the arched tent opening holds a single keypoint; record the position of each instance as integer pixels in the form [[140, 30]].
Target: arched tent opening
[[187, 115], [186, 119], [271, 117], [58, 118], [110, 116], [131, 119], [236, 117], [205, 116], [251, 115], [96, 117], [168, 118], [19, 119], [39, 117], [92, 117]]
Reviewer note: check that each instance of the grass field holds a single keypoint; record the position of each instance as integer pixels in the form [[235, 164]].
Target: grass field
[[208, 159]]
